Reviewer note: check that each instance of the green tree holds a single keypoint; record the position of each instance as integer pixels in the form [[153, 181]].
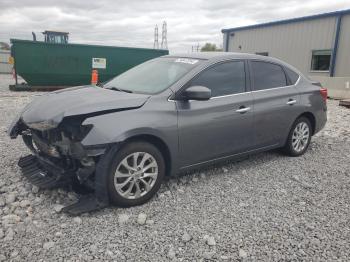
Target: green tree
[[209, 47]]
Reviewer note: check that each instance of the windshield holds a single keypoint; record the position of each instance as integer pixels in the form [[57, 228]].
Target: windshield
[[153, 76]]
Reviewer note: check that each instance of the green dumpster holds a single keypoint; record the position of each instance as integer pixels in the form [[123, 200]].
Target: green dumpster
[[59, 65]]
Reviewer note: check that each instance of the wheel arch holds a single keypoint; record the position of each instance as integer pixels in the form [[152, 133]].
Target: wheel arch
[[158, 143], [311, 117]]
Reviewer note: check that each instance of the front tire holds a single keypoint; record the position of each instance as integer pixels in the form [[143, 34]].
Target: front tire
[[136, 173], [299, 137]]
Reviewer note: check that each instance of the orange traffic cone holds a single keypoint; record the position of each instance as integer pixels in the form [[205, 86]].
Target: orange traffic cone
[[94, 77]]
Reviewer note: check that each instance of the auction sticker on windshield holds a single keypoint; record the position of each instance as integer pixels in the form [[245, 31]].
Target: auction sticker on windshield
[[186, 61]]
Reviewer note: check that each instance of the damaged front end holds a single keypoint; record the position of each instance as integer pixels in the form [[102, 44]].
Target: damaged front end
[[52, 126], [59, 159]]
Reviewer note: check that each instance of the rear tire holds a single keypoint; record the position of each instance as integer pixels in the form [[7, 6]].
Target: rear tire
[[299, 137], [136, 174]]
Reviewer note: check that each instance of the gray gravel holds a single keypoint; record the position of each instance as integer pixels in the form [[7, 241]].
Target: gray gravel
[[267, 207]]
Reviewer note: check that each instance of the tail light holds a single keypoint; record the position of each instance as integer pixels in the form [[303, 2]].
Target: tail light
[[324, 93]]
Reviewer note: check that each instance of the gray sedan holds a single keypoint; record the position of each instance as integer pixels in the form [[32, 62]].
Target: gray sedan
[[165, 116]]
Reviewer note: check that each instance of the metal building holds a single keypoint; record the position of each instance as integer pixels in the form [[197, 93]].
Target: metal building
[[317, 45]]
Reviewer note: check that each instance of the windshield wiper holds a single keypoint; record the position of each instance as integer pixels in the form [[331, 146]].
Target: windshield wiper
[[119, 89]]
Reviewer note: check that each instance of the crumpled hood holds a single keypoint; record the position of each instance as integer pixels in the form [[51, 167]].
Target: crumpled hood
[[53, 107]]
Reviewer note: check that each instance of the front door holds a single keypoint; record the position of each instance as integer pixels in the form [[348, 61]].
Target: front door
[[221, 126]]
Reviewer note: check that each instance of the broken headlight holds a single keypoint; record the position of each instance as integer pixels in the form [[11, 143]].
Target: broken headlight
[[44, 125]]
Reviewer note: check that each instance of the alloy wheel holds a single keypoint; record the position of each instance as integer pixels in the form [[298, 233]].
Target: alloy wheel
[[300, 137], [136, 175]]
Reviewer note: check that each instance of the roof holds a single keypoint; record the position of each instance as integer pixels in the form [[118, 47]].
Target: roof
[[218, 55], [202, 55], [55, 32], [20, 41], [287, 21], [221, 56]]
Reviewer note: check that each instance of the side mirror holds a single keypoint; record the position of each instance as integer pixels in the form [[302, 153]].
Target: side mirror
[[200, 93]]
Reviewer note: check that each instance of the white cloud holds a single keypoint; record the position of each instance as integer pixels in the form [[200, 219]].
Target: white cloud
[[131, 22]]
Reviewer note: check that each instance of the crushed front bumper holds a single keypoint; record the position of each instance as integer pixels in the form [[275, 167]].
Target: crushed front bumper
[[46, 175], [35, 170]]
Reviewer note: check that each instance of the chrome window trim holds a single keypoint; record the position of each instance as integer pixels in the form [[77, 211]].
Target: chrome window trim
[[216, 62], [284, 71], [247, 92], [242, 93], [216, 97], [279, 87]]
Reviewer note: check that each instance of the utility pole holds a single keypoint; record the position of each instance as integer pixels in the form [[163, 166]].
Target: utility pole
[[156, 44], [164, 44], [195, 48]]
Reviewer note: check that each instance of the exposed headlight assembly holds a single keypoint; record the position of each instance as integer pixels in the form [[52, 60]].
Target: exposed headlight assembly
[[44, 125]]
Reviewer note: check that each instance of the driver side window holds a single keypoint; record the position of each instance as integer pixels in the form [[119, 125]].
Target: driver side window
[[223, 79]]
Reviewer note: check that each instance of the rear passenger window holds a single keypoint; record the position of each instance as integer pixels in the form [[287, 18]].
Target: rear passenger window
[[223, 79], [267, 75], [292, 75]]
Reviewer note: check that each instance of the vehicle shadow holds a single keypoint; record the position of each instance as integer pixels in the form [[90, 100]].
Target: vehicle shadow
[[222, 167]]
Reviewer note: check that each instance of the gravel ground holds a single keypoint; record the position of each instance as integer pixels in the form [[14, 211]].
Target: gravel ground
[[267, 207]]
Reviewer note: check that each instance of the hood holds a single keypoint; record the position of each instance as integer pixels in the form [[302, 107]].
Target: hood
[[84, 100]]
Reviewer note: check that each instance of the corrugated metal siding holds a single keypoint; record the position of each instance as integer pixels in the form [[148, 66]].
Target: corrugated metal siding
[[292, 42], [5, 67], [342, 68]]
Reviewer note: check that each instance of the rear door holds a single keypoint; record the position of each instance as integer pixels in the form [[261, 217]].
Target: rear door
[[276, 102], [222, 125]]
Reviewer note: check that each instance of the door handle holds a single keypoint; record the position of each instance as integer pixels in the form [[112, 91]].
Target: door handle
[[243, 110], [291, 102]]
